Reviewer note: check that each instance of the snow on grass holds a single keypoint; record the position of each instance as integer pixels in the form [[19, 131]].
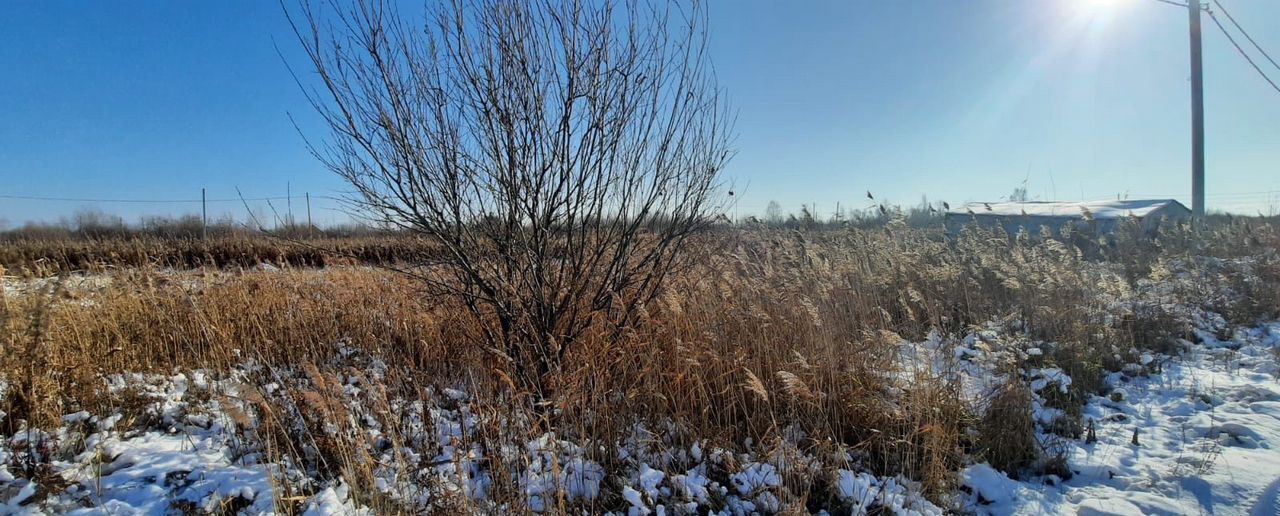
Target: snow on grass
[[862, 491], [1207, 426], [1207, 423], [192, 466], [1206, 429], [1208, 434], [558, 467], [755, 476], [192, 459], [334, 501], [152, 472]]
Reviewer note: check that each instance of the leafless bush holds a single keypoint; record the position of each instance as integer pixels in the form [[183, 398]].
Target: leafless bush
[[560, 152]]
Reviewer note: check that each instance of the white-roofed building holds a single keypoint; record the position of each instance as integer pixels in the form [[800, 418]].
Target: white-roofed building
[[1100, 216]]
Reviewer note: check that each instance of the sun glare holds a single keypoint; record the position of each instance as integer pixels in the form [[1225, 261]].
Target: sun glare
[[1099, 7]]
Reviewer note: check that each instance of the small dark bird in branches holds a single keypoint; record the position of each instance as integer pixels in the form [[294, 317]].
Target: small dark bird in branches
[[869, 196]]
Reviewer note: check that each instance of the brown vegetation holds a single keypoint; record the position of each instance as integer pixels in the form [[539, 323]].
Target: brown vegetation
[[786, 330], [37, 257]]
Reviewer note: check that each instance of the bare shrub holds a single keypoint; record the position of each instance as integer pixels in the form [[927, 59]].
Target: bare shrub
[[561, 153]]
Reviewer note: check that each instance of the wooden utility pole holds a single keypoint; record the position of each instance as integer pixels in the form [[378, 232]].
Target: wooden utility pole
[[204, 216], [1197, 112]]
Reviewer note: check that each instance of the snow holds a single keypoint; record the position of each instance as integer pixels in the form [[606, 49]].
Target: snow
[[650, 479], [635, 499], [863, 491], [1208, 442], [14, 504], [1207, 424], [756, 476], [334, 501], [1098, 209], [693, 485], [189, 467], [1050, 376], [544, 477], [151, 471]]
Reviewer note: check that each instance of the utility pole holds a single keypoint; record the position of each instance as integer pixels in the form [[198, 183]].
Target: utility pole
[[1197, 112], [288, 202], [204, 216], [309, 226]]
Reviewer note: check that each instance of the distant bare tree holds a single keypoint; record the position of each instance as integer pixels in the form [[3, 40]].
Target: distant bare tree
[[1019, 194], [773, 213], [96, 223], [561, 152]]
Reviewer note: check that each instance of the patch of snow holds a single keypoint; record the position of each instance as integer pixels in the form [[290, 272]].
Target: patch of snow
[[755, 476], [1208, 429]]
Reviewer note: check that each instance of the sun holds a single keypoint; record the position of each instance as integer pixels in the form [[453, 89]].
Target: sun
[[1100, 7]]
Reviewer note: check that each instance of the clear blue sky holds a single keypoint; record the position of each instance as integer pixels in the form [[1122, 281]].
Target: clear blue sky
[[956, 100]]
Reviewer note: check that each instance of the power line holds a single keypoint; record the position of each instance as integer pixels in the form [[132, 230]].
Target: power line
[[133, 200], [1242, 52], [1245, 195], [158, 201], [1246, 33], [1171, 2], [1227, 196], [77, 199]]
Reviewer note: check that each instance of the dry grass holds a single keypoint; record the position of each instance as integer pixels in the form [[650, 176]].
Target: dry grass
[[786, 330], [50, 256]]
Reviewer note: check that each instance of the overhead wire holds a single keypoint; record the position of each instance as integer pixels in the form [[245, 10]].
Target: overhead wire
[[1243, 54], [158, 201], [1239, 48], [1232, 19]]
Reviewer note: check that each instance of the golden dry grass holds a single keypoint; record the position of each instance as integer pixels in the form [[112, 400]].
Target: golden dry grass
[[785, 329]]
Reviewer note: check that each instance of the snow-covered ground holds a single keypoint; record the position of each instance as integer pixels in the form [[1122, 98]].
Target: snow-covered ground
[[1207, 425], [196, 460], [1207, 441]]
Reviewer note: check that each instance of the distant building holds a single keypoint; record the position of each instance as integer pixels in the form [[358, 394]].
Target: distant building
[[1099, 216]]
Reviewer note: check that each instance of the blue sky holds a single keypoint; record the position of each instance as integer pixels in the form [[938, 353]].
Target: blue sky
[[954, 100]]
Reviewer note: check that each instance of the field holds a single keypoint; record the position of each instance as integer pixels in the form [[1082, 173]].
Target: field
[[882, 368]]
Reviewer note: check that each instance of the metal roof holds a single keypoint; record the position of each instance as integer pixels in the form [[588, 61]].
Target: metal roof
[[1097, 209]]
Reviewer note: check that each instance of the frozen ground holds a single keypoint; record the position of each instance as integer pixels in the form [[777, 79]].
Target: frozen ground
[[1207, 441]]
